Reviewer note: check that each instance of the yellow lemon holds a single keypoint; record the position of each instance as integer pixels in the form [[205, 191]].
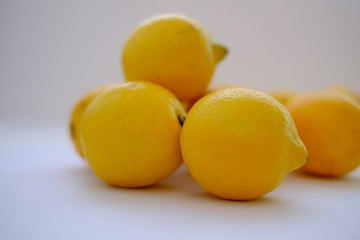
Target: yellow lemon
[[222, 86], [130, 134], [78, 113], [173, 51], [283, 95], [240, 143], [189, 104], [212, 88], [329, 125], [345, 90]]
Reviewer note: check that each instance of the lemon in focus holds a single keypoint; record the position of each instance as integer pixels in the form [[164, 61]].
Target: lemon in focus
[[239, 143], [329, 125], [173, 51], [78, 113], [130, 134], [212, 88]]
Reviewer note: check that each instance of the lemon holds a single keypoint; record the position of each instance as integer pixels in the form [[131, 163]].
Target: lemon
[[173, 51], [222, 86], [130, 134], [344, 90], [283, 95], [240, 143], [212, 88], [329, 125], [78, 113]]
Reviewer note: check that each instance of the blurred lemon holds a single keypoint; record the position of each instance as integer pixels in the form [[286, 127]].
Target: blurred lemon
[[173, 51], [282, 95], [130, 134], [329, 125], [344, 90], [78, 113], [239, 143]]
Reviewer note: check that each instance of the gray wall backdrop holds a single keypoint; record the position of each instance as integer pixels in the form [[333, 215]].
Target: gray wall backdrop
[[52, 52]]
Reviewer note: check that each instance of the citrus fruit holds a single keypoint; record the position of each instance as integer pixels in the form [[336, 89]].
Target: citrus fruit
[[240, 143], [78, 113], [212, 88], [222, 86], [173, 51], [283, 95], [130, 134], [329, 125], [344, 90]]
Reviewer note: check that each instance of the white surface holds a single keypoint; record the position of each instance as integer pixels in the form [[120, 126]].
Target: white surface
[[48, 192], [52, 52]]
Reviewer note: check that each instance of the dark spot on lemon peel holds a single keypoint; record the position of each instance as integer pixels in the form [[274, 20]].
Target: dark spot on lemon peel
[[83, 106], [72, 130], [307, 157], [181, 119]]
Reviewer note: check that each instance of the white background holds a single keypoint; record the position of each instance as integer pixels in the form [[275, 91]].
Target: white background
[[52, 52]]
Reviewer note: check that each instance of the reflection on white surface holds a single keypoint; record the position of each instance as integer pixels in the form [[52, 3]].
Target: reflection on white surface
[[48, 192]]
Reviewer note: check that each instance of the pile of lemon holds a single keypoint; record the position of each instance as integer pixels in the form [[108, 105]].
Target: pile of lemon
[[237, 143]]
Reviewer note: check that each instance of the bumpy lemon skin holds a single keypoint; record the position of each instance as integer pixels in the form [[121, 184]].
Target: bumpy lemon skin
[[212, 88], [239, 143], [329, 125], [78, 113], [130, 134], [173, 51]]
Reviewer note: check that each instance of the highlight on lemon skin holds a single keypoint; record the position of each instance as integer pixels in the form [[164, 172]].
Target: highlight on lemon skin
[[78, 113], [173, 51], [130, 134], [329, 125], [240, 155]]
